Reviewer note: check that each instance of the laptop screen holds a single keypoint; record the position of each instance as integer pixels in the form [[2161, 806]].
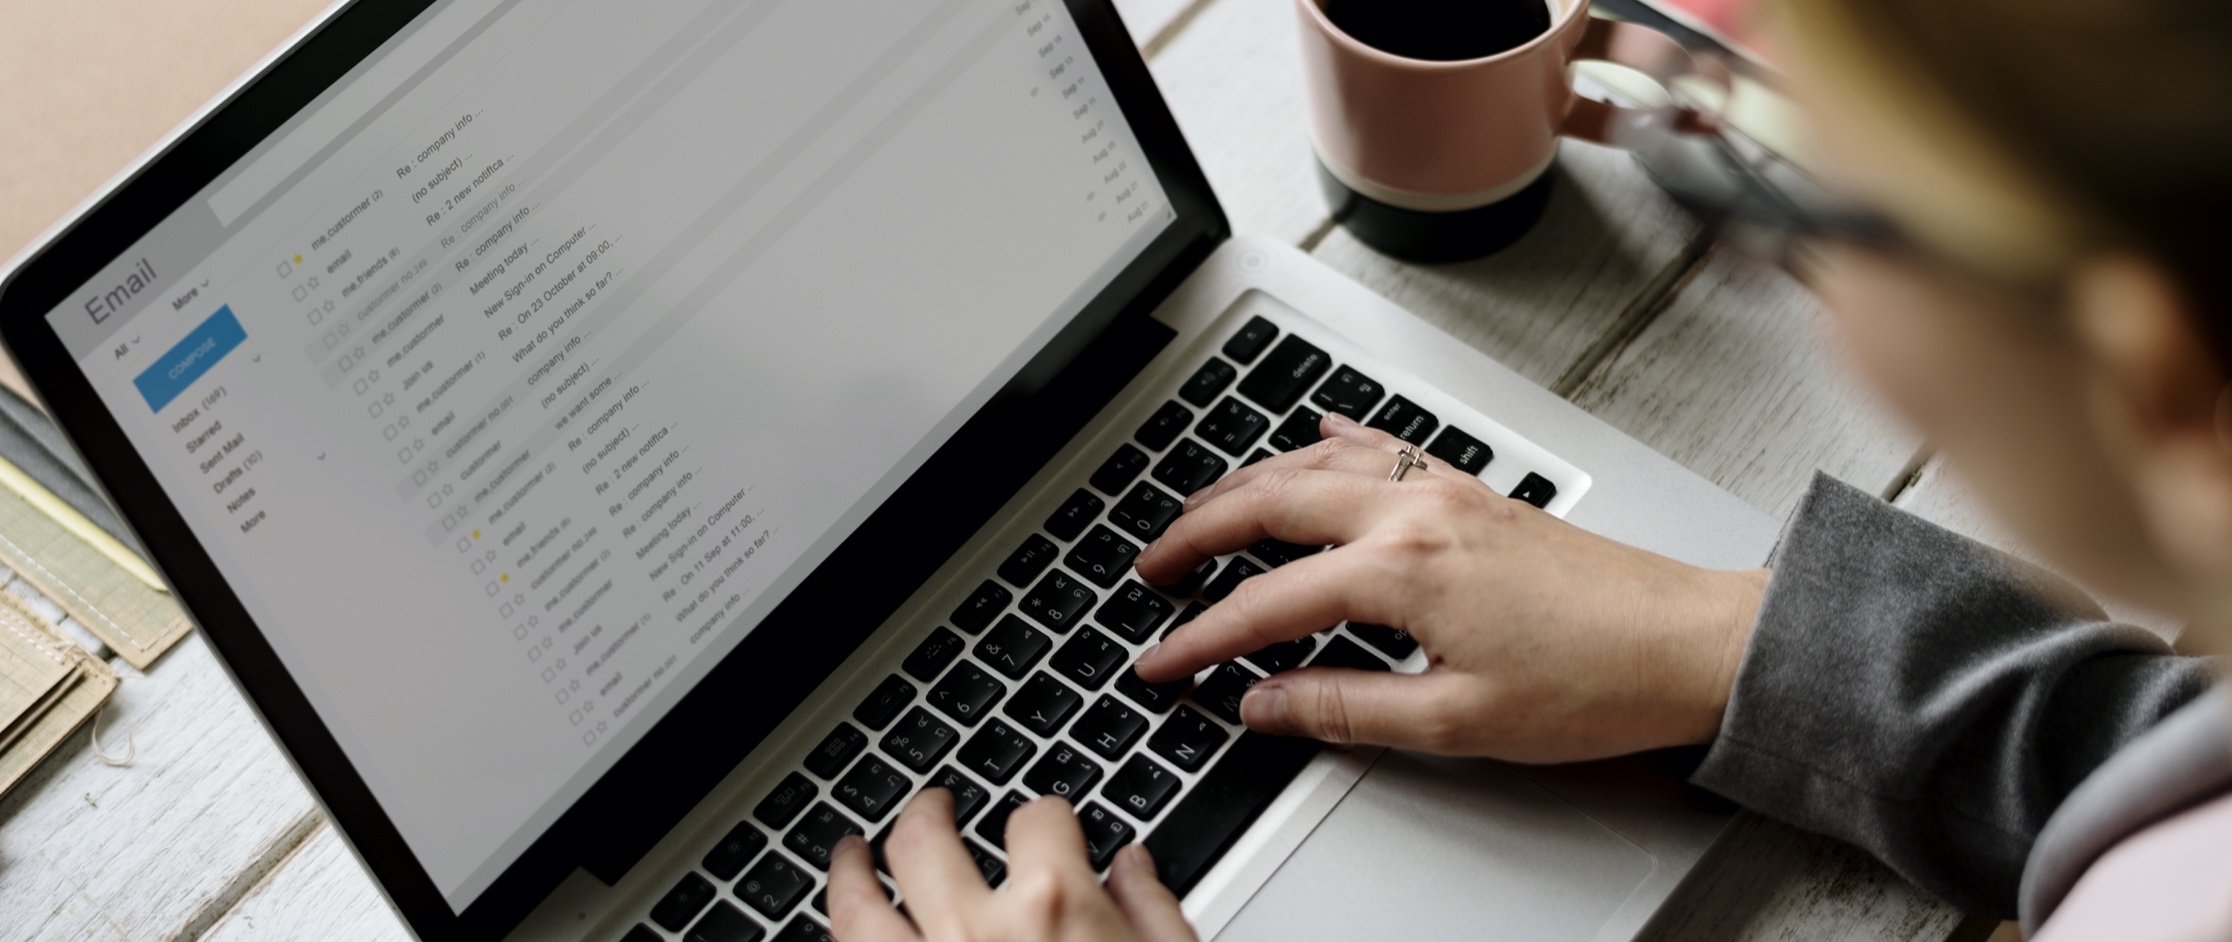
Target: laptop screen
[[516, 379]]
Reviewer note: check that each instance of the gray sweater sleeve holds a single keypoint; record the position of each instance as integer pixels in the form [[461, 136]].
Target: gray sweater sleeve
[[1928, 698]]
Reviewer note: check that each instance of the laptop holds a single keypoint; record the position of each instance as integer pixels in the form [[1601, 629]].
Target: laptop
[[621, 448]]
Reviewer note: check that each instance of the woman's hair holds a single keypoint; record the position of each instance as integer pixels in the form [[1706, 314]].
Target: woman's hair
[[2121, 108]]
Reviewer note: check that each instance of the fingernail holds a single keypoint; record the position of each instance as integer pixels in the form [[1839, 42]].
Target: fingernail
[[1195, 498], [848, 844], [1150, 547], [1339, 421], [1136, 857], [1264, 709], [1147, 657]]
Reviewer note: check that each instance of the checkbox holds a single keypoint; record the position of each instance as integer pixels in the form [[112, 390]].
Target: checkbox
[[464, 544], [534, 654], [403, 457], [506, 611], [449, 522], [492, 589], [480, 566], [317, 316], [564, 695], [361, 386], [390, 432], [331, 341], [549, 673], [285, 269], [377, 408], [576, 717], [520, 632], [433, 500], [418, 478], [301, 293], [349, 360], [589, 739]]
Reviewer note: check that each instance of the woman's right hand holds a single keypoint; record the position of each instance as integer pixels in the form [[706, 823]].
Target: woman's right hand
[[1546, 643]]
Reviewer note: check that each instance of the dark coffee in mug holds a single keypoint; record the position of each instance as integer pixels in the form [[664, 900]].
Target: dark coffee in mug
[[1441, 30]]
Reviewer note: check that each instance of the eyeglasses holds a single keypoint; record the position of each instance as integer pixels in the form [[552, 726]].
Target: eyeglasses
[[1753, 198]]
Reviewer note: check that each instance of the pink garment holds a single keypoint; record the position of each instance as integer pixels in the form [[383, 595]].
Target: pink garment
[[2169, 883]]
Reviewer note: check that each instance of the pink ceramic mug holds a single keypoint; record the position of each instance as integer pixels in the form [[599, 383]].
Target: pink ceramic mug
[[1444, 160]]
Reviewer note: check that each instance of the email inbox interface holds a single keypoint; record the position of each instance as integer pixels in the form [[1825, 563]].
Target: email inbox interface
[[551, 376]]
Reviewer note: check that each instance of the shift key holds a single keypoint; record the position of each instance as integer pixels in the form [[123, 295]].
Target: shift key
[[1289, 371]]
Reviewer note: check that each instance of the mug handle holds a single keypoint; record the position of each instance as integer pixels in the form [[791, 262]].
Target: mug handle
[[1665, 61]]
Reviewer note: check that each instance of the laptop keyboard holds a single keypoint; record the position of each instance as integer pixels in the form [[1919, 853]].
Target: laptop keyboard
[[1026, 688]]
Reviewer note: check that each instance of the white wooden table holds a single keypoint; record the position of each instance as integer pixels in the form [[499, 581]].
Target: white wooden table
[[1615, 301]]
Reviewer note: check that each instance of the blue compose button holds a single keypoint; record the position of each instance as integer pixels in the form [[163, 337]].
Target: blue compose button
[[193, 356]]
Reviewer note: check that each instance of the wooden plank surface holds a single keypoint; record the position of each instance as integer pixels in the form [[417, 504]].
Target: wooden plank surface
[[320, 892], [1735, 380], [1713, 363]]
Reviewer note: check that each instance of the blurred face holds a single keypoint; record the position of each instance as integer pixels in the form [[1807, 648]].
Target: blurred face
[[1970, 344]]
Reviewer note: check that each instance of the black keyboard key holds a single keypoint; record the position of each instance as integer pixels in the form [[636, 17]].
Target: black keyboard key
[[1187, 739], [1280, 380], [919, 740], [1157, 698], [1029, 559], [976, 614], [968, 796], [1042, 704], [773, 886], [1535, 489], [1341, 652], [1109, 727], [1089, 659], [1299, 431], [681, 904], [871, 788], [1284, 656], [1248, 344], [993, 870], [884, 702], [725, 923], [1221, 693], [1102, 557], [1145, 512], [1232, 427], [1065, 772], [994, 826], [995, 752], [1012, 647], [1239, 570], [786, 801], [1349, 393], [1119, 470], [1219, 807], [1396, 642], [1164, 426], [1075, 514], [1189, 467], [1280, 552], [1141, 788], [803, 929], [836, 751], [967, 694], [1403, 419], [1461, 451], [1105, 834], [1212, 378], [642, 933], [1193, 610], [1256, 456], [727, 858], [933, 654], [818, 833], [1133, 612], [1059, 600]]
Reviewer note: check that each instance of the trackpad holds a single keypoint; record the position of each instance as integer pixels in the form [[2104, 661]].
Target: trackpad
[[1427, 848]]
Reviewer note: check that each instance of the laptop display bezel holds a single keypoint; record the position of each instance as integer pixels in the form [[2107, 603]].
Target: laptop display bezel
[[756, 685]]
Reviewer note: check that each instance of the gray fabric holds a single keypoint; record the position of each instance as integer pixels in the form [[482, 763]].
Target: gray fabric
[[29, 440], [1928, 698], [2175, 766]]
